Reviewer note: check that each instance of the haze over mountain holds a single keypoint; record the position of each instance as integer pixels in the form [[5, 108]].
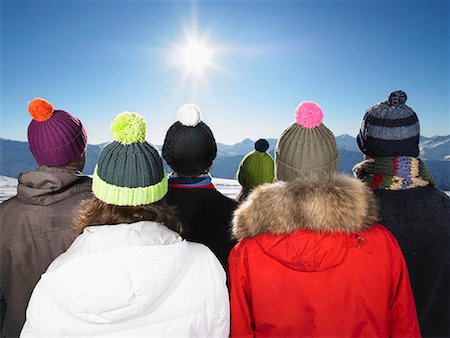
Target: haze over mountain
[[15, 157]]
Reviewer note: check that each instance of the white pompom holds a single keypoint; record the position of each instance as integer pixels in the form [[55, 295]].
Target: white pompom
[[189, 115]]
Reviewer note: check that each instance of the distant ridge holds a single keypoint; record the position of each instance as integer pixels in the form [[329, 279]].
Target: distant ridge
[[15, 157]]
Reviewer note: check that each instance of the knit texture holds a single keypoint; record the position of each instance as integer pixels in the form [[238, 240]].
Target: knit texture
[[126, 196], [306, 152], [189, 150], [390, 128], [129, 171], [55, 137], [256, 168], [393, 173]]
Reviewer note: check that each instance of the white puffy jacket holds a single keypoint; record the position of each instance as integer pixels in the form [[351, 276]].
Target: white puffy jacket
[[125, 280]]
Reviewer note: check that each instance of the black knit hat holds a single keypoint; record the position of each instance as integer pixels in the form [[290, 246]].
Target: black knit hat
[[390, 128], [189, 147]]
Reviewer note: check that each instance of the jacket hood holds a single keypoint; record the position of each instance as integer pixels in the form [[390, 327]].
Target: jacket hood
[[49, 185], [103, 273], [307, 225]]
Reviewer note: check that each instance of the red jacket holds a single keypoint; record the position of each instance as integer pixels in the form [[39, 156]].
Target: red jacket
[[311, 263]]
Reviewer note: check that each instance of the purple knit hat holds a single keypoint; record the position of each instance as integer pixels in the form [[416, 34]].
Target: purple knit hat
[[55, 137]]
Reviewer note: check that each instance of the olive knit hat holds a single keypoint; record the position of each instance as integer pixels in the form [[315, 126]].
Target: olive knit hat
[[129, 171], [390, 128], [55, 137], [256, 167], [189, 146], [307, 148]]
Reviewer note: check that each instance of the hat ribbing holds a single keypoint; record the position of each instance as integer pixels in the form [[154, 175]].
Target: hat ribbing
[[390, 128], [129, 171], [307, 148], [257, 167], [189, 146], [55, 137]]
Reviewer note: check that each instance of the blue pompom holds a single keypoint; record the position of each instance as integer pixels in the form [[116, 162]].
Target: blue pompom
[[397, 98], [261, 145]]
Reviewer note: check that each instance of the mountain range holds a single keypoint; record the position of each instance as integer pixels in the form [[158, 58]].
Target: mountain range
[[15, 157]]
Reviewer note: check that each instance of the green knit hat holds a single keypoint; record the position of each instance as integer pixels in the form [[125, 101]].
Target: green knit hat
[[307, 148], [129, 171], [256, 167]]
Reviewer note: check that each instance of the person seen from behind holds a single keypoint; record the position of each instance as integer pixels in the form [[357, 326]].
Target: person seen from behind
[[256, 168], [311, 260], [36, 224], [411, 207], [189, 149], [129, 273]]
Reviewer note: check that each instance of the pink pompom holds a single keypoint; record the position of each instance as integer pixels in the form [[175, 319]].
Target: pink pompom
[[308, 114]]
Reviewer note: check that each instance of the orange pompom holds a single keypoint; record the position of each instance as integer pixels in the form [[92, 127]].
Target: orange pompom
[[40, 109]]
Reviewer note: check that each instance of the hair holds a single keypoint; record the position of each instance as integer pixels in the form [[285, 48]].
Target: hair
[[94, 212], [242, 195]]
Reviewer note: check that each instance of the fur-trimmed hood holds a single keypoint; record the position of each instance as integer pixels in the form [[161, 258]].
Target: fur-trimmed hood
[[333, 213], [341, 204]]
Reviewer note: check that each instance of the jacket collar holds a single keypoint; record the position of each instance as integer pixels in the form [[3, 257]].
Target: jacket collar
[[340, 204], [48, 185]]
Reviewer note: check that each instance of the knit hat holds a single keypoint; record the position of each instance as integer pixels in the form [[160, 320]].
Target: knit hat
[[390, 128], [256, 167], [307, 148], [55, 137], [129, 171], [189, 147]]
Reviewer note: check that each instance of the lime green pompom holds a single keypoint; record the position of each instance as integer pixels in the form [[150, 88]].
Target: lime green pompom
[[128, 128]]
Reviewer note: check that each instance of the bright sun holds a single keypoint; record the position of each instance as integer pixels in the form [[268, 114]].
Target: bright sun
[[195, 56]]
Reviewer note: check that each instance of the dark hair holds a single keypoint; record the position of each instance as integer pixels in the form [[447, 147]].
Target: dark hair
[[96, 212]]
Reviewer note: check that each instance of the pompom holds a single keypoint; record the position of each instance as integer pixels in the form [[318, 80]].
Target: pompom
[[261, 145], [40, 109], [308, 114], [397, 98], [189, 115], [129, 128]]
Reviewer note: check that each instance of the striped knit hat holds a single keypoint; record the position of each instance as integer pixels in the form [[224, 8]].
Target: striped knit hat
[[307, 148], [390, 128], [129, 171], [55, 137], [256, 167]]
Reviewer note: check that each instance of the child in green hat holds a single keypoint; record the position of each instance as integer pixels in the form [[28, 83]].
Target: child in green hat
[[256, 168]]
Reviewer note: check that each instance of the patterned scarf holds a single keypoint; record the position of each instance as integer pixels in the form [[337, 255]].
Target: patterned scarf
[[393, 173], [199, 182]]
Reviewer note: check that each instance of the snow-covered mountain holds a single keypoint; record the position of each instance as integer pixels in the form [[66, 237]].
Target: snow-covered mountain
[[230, 188], [15, 157], [435, 148]]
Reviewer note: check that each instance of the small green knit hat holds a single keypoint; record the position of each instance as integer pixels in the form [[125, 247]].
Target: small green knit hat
[[307, 148], [256, 167], [129, 171]]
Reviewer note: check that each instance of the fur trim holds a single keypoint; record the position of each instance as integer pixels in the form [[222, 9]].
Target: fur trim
[[339, 204]]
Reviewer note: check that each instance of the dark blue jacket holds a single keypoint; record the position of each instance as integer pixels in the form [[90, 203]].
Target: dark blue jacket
[[206, 215], [420, 220]]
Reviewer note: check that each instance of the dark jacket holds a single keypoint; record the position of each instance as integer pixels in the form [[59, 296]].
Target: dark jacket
[[35, 228], [420, 220], [206, 216]]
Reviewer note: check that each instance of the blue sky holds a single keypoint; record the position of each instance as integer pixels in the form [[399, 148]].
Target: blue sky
[[98, 58]]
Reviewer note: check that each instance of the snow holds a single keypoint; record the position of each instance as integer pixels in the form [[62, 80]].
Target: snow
[[8, 187], [228, 187]]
